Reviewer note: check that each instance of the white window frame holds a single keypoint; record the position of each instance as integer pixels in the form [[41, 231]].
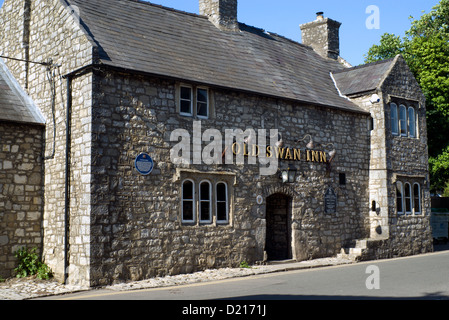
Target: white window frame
[[188, 114], [400, 188], [417, 211], [411, 122], [201, 102], [394, 119], [221, 201], [403, 123], [190, 200], [202, 202], [408, 198]]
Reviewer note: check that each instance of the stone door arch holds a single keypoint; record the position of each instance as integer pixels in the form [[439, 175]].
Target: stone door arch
[[278, 223]]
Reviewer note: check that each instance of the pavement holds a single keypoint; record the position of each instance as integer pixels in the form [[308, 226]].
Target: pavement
[[29, 288]]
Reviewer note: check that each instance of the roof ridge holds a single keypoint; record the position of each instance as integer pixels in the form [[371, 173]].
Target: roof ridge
[[361, 66]]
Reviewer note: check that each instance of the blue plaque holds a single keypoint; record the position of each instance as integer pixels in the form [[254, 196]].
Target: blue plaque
[[144, 164]]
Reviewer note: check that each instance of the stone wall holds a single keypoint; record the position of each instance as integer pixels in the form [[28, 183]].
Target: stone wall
[[55, 34], [21, 192], [136, 228]]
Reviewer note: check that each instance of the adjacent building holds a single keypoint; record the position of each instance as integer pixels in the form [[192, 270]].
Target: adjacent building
[[142, 168]]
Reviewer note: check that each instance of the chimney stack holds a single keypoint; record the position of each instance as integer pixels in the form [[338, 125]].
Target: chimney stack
[[222, 13], [323, 36]]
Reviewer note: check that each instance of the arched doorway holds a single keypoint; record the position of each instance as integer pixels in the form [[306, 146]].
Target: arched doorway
[[278, 221]]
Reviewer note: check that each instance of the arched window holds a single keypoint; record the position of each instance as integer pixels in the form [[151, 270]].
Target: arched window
[[403, 120], [411, 122], [394, 118], [408, 198], [222, 207], [417, 198], [399, 198], [205, 202], [188, 201]]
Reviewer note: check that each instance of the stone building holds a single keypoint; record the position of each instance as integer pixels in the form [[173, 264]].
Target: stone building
[[339, 166]]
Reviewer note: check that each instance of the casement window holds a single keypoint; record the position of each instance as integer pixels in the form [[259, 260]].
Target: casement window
[[417, 198], [221, 202], [202, 103], [186, 101], [399, 198], [188, 201], [411, 122], [403, 120], [205, 202], [394, 119], [194, 102], [408, 198]]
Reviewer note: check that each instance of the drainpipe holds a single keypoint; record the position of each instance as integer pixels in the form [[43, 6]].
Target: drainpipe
[[67, 178]]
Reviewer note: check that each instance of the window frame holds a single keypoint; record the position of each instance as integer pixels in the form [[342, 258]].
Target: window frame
[[400, 199], [408, 199], [226, 221], [394, 115], [193, 200], [419, 211], [190, 114], [411, 123], [197, 102], [403, 126], [201, 201]]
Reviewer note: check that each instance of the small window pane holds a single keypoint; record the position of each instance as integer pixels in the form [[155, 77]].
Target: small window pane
[[187, 190], [394, 119], [417, 198], [188, 208], [186, 93], [186, 101], [399, 197], [408, 198], [411, 122], [205, 204], [222, 202], [202, 103], [403, 120]]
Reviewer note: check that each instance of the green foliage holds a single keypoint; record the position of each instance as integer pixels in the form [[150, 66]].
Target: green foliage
[[245, 265], [425, 47], [29, 264]]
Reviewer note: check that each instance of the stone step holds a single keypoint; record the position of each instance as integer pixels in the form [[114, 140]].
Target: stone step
[[354, 251]]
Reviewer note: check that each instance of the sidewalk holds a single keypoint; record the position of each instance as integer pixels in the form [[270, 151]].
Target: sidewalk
[[22, 289]]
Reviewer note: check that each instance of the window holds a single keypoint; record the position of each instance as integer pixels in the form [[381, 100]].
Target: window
[[399, 198], [403, 120], [205, 202], [417, 198], [408, 198], [188, 201], [411, 122], [394, 118], [221, 198], [186, 100], [194, 101], [202, 103]]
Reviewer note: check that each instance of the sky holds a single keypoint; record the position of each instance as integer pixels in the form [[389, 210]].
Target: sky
[[359, 29]]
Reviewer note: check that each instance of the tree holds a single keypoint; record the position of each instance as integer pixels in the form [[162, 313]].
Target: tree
[[425, 47]]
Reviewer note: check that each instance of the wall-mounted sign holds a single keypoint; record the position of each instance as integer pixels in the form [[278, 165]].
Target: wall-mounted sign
[[330, 201], [259, 199], [144, 164]]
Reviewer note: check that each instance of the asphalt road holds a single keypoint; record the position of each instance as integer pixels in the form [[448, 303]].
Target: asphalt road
[[423, 277]]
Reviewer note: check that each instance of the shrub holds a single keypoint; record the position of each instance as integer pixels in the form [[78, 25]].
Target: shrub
[[29, 264]]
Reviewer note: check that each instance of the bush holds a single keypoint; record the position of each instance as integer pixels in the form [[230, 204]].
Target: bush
[[29, 264]]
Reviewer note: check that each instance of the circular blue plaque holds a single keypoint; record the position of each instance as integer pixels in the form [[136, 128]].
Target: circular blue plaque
[[144, 164]]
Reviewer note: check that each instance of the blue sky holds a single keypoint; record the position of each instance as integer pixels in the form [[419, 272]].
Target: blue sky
[[284, 17]]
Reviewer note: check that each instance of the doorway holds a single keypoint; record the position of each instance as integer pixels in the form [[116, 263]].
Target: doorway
[[278, 221]]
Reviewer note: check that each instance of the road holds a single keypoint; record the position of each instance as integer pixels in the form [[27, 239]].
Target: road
[[418, 277]]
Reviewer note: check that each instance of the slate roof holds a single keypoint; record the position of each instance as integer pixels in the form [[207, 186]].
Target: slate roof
[[15, 105], [362, 78], [153, 39]]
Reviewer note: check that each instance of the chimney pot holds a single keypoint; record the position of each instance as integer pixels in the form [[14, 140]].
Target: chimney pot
[[320, 15]]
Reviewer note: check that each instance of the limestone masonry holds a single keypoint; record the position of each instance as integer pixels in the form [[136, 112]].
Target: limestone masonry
[[121, 78]]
